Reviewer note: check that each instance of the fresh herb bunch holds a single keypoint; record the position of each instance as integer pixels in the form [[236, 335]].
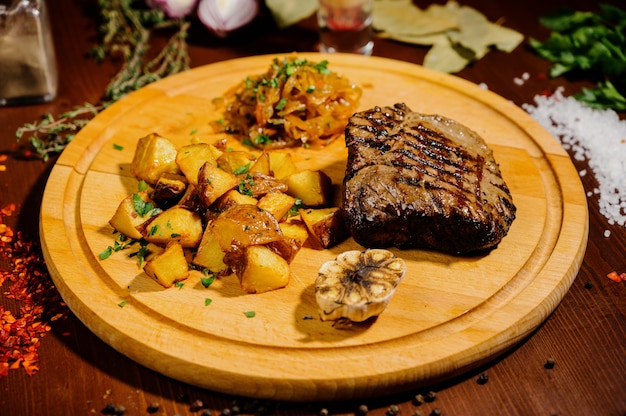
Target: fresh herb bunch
[[592, 44], [126, 29]]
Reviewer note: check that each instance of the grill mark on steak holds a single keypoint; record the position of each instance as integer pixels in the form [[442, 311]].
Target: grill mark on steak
[[415, 180]]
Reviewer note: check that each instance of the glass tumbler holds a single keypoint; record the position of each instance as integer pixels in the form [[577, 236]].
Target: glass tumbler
[[345, 26]]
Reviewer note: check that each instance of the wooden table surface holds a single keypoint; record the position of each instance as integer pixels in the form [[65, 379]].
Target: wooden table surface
[[585, 336]]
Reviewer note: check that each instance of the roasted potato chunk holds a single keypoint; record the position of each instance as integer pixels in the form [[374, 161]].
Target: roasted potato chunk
[[169, 266], [210, 254], [313, 187], [133, 211], [261, 165], [325, 225], [281, 164], [174, 224], [235, 162], [154, 156], [262, 270], [245, 225], [190, 159], [169, 188], [277, 203], [214, 182]]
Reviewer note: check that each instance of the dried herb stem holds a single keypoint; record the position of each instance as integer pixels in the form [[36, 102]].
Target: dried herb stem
[[126, 31]]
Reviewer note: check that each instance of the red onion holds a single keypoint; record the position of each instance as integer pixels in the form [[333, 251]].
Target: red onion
[[173, 8], [223, 16]]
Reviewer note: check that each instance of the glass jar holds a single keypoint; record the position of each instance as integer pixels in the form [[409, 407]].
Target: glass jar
[[28, 72]]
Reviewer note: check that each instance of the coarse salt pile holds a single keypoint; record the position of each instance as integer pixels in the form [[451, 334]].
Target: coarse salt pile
[[598, 136]]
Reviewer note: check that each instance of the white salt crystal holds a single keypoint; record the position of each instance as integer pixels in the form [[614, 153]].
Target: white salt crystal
[[518, 81], [593, 135], [607, 233]]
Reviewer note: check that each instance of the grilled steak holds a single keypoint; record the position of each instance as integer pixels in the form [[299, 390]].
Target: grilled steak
[[422, 181]]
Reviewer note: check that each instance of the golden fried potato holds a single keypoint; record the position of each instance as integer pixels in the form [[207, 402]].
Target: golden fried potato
[[169, 266], [210, 254], [174, 224], [133, 211], [154, 156], [245, 225], [281, 164], [325, 225], [214, 182], [190, 159], [277, 203], [313, 187], [262, 270]]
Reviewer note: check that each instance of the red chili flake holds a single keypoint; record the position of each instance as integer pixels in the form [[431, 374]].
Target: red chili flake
[[541, 76], [30, 286], [614, 276], [547, 92]]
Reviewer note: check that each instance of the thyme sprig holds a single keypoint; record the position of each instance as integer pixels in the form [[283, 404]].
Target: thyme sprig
[[126, 31]]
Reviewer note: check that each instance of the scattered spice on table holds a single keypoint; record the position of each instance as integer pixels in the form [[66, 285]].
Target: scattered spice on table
[[483, 378], [594, 135], [616, 277], [24, 278], [549, 364]]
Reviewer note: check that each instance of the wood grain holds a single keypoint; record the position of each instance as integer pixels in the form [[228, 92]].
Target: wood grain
[[448, 315]]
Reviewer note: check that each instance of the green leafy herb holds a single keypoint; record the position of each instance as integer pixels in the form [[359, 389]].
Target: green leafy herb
[[242, 169], [106, 253], [281, 103], [207, 281], [118, 147], [142, 186], [141, 207], [249, 314], [592, 45], [179, 285], [207, 301], [126, 29], [122, 304]]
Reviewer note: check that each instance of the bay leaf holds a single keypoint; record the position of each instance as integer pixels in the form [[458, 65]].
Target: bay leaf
[[401, 17]]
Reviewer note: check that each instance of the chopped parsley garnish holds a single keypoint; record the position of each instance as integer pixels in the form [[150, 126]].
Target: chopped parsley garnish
[[141, 207], [179, 285], [106, 253], [142, 186], [207, 301], [310, 89], [122, 304], [249, 314], [262, 139], [281, 104], [207, 281], [194, 131], [242, 169], [118, 147]]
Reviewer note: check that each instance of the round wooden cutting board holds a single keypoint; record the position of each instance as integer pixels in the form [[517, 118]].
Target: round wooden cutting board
[[449, 314]]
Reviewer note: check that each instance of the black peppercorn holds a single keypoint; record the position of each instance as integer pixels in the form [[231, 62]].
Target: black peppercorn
[[483, 378], [153, 407], [418, 399], [435, 412], [588, 285], [196, 405], [549, 364], [363, 409], [431, 396], [393, 410]]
